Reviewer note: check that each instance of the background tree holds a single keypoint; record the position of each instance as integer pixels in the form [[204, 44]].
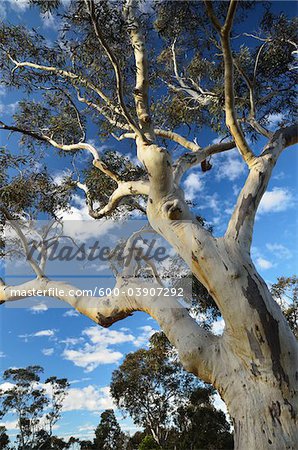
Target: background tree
[[149, 384], [231, 78], [35, 409], [201, 426], [4, 439], [152, 387], [285, 292], [108, 434], [149, 443]]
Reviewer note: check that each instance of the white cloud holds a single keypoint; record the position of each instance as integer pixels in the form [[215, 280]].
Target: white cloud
[[274, 120], [229, 165], [218, 327], [263, 263], [89, 398], [146, 332], [192, 185], [47, 351], [41, 333], [5, 386], [78, 224], [10, 425], [39, 308], [107, 337], [97, 349], [277, 200], [219, 403], [8, 109], [18, 5], [91, 357], [71, 313], [2, 355], [50, 21], [279, 250]]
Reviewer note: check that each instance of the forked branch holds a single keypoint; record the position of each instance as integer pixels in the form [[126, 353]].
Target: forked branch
[[231, 116]]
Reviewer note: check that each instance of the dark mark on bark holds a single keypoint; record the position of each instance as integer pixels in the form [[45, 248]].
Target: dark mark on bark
[[194, 258], [291, 409], [259, 335], [275, 411], [106, 322], [269, 324], [254, 345], [254, 369]]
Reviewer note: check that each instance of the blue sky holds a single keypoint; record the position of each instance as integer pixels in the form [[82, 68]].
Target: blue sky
[[68, 344]]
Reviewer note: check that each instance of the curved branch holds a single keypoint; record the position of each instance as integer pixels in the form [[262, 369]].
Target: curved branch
[[97, 161], [196, 346], [124, 189], [240, 227], [141, 94], [115, 64], [231, 117], [65, 74], [189, 160]]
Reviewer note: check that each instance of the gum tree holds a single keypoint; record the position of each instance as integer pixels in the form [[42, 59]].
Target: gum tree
[[139, 73]]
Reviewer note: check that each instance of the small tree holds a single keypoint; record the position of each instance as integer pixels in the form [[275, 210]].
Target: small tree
[[35, 409], [149, 384], [108, 434], [149, 443], [4, 439], [160, 396], [201, 426], [285, 292]]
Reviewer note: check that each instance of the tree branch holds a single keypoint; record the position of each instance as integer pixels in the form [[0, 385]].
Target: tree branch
[[240, 227], [252, 114], [116, 67], [15, 225], [141, 94], [124, 189], [189, 160], [66, 74], [97, 161], [196, 346], [231, 117]]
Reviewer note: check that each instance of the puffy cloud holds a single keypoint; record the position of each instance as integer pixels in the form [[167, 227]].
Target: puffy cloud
[[279, 251], [8, 109], [2, 355], [218, 326], [41, 333], [274, 120], [89, 398], [229, 165], [107, 337], [47, 351], [97, 350], [39, 308], [263, 263], [219, 404], [71, 313], [146, 332], [277, 200], [6, 385], [10, 425], [96, 346], [192, 185]]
